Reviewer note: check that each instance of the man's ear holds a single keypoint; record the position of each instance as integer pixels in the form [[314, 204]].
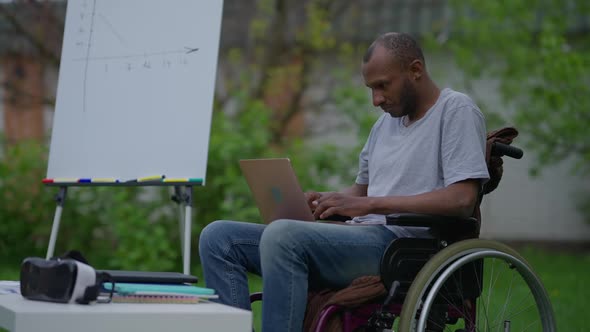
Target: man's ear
[[416, 68]]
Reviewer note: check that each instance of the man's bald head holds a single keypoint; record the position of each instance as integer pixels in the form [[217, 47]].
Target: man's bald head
[[403, 47]]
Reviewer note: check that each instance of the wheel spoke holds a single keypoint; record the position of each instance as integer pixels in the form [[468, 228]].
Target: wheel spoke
[[501, 314], [505, 289], [491, 286]]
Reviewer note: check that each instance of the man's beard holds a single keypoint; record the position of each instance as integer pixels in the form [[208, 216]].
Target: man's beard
[[408, 99]]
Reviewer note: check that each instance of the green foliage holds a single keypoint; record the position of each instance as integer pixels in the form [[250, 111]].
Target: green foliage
[[541, 56], [24, 204], [137, 228], [246, 132], [317, 32], [113, 227], [233, 137]]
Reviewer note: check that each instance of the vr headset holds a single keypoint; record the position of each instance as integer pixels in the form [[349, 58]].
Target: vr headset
[[63, 281]]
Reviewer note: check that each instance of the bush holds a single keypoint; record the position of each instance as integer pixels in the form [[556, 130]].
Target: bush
[[106, 224], [137, 228]]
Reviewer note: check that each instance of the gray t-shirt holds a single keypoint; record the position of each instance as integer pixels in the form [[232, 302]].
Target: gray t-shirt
[[445, 146]]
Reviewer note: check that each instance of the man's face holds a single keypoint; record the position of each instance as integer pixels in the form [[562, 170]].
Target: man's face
[[390, 85]]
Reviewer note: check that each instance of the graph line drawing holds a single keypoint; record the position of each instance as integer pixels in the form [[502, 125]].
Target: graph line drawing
[[137, 55], [112, 28], [88, 55], [92, 23], [191, 49]]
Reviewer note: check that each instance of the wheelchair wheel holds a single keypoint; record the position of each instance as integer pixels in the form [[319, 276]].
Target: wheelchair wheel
[[476, 285]]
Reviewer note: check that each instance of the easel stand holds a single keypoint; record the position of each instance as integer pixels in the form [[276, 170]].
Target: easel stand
[[60, 198], [183, 196]]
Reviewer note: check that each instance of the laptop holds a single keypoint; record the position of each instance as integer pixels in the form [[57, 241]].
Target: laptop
[[276, 190], [150, 277]]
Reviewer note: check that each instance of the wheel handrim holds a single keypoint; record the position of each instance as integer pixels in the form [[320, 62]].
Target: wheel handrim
[[524, 272]]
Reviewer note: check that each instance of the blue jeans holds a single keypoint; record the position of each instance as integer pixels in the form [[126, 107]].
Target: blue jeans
[[291, 256]]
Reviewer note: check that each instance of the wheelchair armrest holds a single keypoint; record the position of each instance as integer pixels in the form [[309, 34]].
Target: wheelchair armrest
[[427, 220], [439, 225]]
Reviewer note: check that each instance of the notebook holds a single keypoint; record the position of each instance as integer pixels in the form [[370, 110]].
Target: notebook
[[276, 190], [151, 277], [158, 289], [157, 299], [158, 293]]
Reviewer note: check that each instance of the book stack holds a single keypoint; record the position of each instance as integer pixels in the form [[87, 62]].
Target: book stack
[[158, 293]]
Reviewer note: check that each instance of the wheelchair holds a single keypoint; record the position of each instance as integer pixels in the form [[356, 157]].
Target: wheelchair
[[451, 281]]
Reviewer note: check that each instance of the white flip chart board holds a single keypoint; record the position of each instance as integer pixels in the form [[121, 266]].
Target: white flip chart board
[[135, 91]]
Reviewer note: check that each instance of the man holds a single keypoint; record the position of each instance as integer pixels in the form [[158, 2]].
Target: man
[[425, 154]]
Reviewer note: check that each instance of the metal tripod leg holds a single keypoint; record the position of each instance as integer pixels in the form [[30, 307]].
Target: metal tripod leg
[[60, 198], [185, 198]]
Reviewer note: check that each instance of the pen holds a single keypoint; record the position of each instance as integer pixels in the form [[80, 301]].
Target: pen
[[151, 178], [176, 180], [103, 180], [197, 180], [59, 180]]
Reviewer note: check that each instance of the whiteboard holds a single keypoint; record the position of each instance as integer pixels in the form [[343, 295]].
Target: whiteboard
[[135, 90]]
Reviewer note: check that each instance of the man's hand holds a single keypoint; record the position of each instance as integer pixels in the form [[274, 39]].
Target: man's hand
[[335, 203], [310, 197]]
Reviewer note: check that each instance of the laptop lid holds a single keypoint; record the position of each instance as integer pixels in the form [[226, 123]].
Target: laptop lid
[[276, 190]]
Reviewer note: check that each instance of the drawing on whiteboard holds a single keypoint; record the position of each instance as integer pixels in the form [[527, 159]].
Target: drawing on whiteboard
[[190, 49], [149, 63], [127, 62], [112, 28], [187, 50], [130, 62], [84, 5]]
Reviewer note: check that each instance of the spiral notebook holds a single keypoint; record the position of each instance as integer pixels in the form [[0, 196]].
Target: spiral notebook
[[158, 293], [158, 299]]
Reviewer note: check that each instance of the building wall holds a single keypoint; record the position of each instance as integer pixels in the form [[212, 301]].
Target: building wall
[[536, 208], [21, 102], [522, 207]]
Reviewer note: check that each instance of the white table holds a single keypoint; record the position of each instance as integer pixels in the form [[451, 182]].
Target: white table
[[18, 314]]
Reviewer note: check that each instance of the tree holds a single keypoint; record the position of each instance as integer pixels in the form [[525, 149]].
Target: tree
[[264, 86], [280, 58], [266, 91], [32, 29], [540, 52]]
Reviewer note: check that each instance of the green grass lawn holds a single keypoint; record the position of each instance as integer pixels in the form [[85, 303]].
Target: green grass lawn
[[565, 276]]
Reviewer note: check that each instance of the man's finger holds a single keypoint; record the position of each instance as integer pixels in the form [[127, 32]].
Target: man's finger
[[324, 198], [328, 213], [318, 211]]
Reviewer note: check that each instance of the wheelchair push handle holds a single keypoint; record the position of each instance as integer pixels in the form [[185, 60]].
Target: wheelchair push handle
[[501, 149]]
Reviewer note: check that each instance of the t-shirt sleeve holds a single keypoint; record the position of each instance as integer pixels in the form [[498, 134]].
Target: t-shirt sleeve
[[463, 145], [362, 176]]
